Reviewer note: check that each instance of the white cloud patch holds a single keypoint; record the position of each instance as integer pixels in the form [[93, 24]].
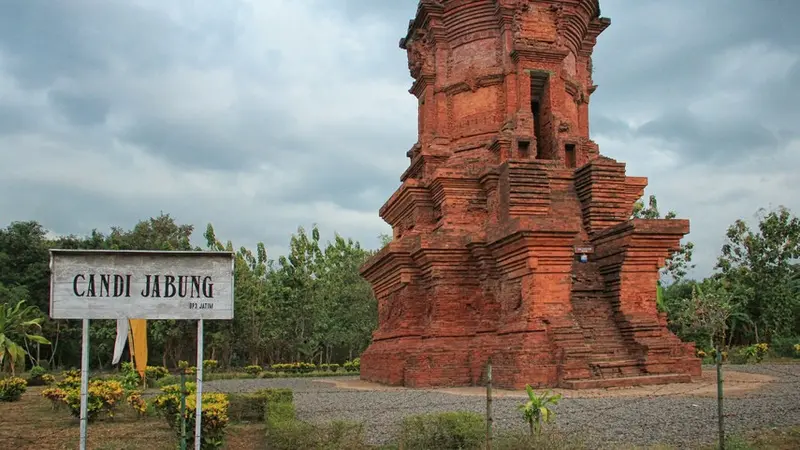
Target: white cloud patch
[[262, 115]]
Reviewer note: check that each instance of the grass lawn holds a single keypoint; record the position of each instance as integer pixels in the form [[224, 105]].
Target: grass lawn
[[31, 423]]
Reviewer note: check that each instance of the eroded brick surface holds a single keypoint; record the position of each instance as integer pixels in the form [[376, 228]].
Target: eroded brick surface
[[504, 192]]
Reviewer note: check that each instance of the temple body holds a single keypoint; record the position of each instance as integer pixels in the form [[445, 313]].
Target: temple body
[[512, 237]]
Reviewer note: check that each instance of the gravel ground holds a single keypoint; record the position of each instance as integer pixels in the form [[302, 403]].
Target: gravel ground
[[680, 420]]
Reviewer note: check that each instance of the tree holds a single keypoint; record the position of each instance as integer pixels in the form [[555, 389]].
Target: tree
[[384, 239], [760, 268], [18, 324], [680, 262], [707, 312]]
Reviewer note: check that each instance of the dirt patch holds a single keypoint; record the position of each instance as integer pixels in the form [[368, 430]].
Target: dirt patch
[[736, 384]]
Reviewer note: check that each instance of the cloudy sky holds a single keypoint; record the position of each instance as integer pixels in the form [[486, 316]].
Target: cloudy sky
[[259, 116]]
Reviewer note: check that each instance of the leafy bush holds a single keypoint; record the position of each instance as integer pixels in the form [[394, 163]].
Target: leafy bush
[[548, 440], [315, 373], [449, 430], [210, 365], [156, 372], [12, 388], [253, 370], [136, 402], [214, 419], [753, 353], [336, 435], [787, 347], [55, 395], [37, 371], [214, 414], [104, 396], [353, 366], [38, 376], [167, 404], [329, 367], [187, 368], [297, 367], [253, 407]]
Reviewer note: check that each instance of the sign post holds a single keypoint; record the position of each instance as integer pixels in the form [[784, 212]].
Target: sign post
[[198, 417], [84, 382], [132, 284]]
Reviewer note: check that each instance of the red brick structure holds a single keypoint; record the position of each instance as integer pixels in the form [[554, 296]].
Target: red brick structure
[[504, 197]]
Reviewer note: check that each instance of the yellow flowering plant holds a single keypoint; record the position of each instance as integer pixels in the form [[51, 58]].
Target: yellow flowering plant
[[12, 388], [214, 413], [102, 399], [136, 402], [56, 396]]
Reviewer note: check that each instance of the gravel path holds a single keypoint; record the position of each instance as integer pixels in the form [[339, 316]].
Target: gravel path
[[679, 420]]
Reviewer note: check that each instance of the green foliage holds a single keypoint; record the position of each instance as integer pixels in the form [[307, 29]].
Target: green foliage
[[254, 369], [336, 435], [310, 306], [156, 372], [549, 440], [252, 407], [12, 388], [298, 367], [18, 325], [285, 432], [214, 414], [210, 365], [448, 430], [329, 367], [788, 347], [352, 366], [761, 272], [213, 417], [706, 313], [680, 262], [103, 397], [38, 376], [537, 410]]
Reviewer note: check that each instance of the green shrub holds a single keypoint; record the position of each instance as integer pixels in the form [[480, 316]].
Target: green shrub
[[214, 420], [214, 414], [547, 440], [210, 365], [329, 367], [786, 347], [36, 371], [297, 367], [285, 432], [336, 435], [12, 388], [38, 376], [253, 370], [155, 372], [449, 430], [352, 366], [253, 407], [104, 396]]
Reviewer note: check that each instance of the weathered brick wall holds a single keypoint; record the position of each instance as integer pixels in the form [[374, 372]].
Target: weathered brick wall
[[484, 259]]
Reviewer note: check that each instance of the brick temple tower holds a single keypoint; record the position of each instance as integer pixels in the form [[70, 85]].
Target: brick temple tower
[[512, 234]]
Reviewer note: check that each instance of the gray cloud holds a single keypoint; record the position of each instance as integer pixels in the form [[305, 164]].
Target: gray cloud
[[260, 116]]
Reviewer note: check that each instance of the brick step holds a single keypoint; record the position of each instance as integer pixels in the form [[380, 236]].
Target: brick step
[[639, 380]]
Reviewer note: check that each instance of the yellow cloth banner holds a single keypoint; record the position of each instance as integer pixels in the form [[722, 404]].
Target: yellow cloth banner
[[137, 344]]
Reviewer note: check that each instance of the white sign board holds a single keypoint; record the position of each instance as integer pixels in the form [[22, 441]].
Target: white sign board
[[110, 284]]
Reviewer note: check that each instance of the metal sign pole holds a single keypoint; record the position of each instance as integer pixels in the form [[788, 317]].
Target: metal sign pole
[[198, 418], [84, 383]]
